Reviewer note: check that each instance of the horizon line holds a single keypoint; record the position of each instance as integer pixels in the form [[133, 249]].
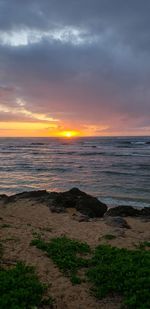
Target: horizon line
[[75, 137]]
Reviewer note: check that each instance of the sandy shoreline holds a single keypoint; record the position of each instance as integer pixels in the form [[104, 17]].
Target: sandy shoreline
[[22, 219]]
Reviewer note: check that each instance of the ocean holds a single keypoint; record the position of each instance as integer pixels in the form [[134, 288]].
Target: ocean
[[114, 169]]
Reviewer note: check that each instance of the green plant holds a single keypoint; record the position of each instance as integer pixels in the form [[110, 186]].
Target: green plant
[[122, 271], [20, 288], [143, 245], [66, 254], [110, 269]]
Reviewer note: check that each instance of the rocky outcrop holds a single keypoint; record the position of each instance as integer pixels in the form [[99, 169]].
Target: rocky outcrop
[[128, 211], [35, 195], [91, 207], [59, 201], [145, 212], [82, 202], [123, 211]]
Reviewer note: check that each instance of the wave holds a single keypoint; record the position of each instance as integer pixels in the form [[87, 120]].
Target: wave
[[92, 153], [135, 142], [119, 173], [139, 143], [112, 201], [60, 170], [144, 167], [66, 153]]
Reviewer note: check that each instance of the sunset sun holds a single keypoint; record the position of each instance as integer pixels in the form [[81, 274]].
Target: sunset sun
[[69, 134]]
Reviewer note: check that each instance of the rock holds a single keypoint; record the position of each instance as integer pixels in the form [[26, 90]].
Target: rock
[[117, 222], [80, 217], [123, 211], [64, 200], [128, 211], [3, 198], [82, 202], [145, 212], [76, 192], [28, 195], [57, 209], [91, 207]]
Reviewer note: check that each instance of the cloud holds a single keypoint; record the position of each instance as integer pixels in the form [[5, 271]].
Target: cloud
[[83, 62]]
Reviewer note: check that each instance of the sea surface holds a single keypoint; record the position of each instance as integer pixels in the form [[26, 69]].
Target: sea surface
[[116, 170]]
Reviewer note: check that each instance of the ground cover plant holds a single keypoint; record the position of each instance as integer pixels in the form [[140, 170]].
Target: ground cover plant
[[110, 270], [20, 288], [143, 245], [122, 271], [67, 254]]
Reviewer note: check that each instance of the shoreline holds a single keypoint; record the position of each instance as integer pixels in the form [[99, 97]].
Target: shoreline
[[100, 199], [111, 202]]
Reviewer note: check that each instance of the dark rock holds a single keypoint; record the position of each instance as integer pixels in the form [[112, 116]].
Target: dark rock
[[31, 194], [91, 207], [128, 211], [63, 200], [80, 217], [145, 212], [81, 201], [3, 198], [28, 195], [118, 222], [57, 209], [75, 192], [123, 211]]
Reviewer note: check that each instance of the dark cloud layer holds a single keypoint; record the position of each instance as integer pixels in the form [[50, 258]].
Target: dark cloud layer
[[77, 60]]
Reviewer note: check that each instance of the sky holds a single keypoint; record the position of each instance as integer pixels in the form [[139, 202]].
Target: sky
[[79, 66]]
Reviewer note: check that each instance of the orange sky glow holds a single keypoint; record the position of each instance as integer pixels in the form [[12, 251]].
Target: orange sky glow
[[42, 129]]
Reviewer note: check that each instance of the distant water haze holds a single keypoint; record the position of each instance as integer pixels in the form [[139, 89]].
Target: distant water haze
[[115, 169]]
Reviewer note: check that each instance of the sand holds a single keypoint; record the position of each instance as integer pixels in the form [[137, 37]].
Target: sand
[[21, 220]]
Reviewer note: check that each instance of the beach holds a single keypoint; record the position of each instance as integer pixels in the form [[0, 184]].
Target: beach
[[24, 217]]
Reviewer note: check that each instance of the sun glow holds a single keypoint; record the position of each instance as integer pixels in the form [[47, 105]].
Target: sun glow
[[69, 134]]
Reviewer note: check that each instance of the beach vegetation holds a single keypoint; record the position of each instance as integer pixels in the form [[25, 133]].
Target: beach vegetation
[[121, 271], [67, 254], [143, 245], [20, 288], [109, 270]]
